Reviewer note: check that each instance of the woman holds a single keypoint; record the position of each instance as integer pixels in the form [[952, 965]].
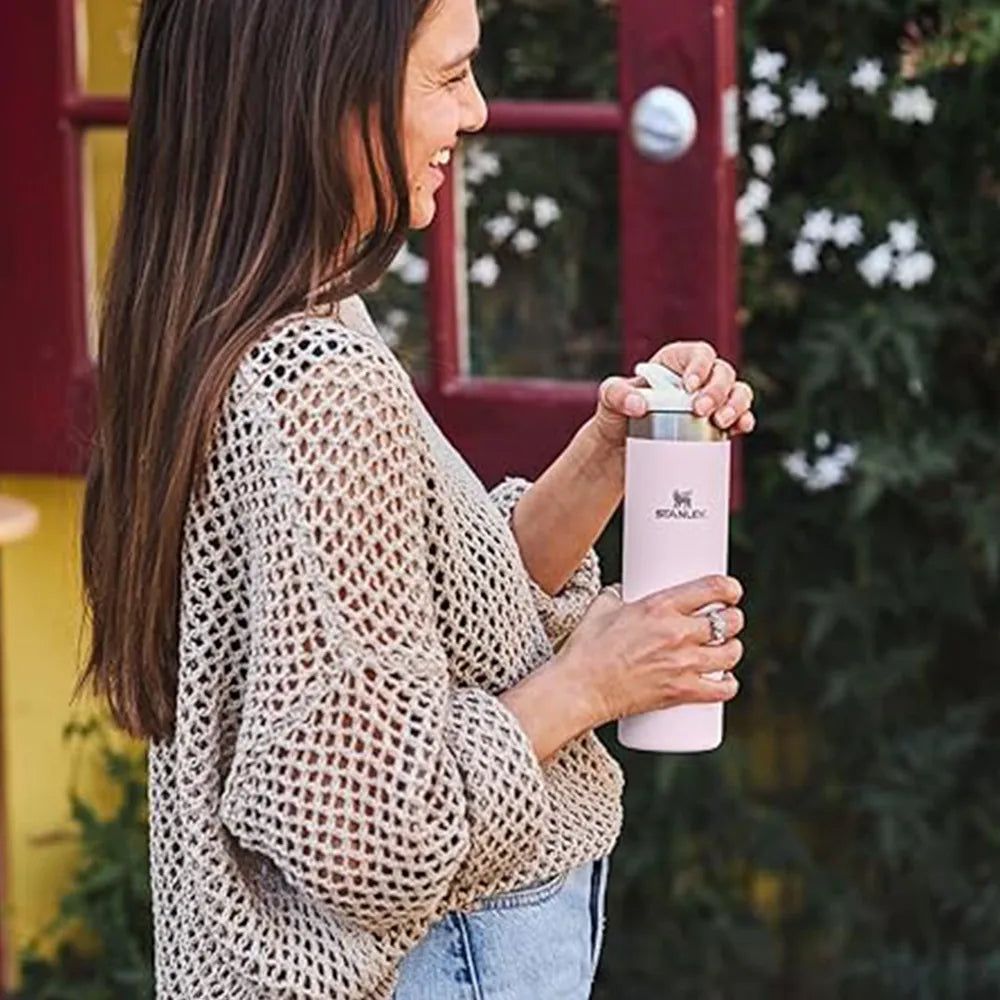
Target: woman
[[370, 775]]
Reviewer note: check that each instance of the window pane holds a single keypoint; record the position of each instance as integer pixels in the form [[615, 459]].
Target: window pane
[[105, 32], [103, 173], [557, 50], [398, 304], [542, 246]]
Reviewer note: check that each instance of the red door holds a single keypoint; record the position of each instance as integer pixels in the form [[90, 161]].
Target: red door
[[678, 243], [677, 236]]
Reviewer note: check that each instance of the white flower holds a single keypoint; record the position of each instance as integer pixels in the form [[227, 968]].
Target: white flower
[[400, 260], [913, 104], [808, 101], [516, 202], [764, 105], [914, 269], [754, 200], [768, 65], [525, 241], [831, 470], [415, 270], [485, 271], [480, 164], [762, 158], [547, 211], [904, 236], [848, 231], [817, 226], [797, 466], [744, 210], [500, 227], [822, 440], [876, 265], [868, 75], [805, 258], [757, 195], [397, 318], [847, 455], [826, 472], [753, 232]]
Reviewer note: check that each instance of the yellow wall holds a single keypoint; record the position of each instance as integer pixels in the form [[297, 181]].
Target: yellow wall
[[40, 642], [40, 590]]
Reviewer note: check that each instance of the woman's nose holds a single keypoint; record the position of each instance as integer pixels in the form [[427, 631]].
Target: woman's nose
[[475, 112]]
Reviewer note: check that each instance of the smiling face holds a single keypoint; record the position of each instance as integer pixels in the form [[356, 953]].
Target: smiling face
[[441, 99]]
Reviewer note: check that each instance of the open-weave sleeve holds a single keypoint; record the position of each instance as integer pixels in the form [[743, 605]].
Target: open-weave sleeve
[[560, 613], [376, 786]]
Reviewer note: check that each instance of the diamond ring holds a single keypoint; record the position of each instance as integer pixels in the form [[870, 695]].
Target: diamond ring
[[717, 624]]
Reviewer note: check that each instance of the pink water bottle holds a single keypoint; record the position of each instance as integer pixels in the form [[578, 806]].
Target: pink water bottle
[[677, 468]]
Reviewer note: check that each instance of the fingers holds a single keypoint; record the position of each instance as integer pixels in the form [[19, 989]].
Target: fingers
[[714, 395], [618, 395], [687, 598], [733, 619], [716, 659], [718, 393], [711, 678], [736, 406], [693, 359], [708, 690]]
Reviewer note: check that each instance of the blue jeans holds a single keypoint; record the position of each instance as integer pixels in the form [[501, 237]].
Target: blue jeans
[[542, 942]]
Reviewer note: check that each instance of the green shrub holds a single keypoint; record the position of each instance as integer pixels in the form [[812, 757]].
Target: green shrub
[[845, 842], [99, 947]]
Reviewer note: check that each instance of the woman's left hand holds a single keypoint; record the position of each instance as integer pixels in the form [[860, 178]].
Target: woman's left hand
[[718, 393]]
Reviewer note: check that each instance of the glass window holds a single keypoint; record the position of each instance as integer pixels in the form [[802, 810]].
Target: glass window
[[555, 51], [105, 43], [398, 304], [542, 256], [103, 172]]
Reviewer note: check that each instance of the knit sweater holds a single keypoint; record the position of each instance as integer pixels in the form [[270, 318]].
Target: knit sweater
[[342, 773]]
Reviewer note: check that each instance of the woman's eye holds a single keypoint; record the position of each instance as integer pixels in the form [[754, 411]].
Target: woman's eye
[[461, 78]]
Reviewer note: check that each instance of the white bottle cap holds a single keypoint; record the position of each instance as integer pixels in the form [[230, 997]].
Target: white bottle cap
[[666, 392]]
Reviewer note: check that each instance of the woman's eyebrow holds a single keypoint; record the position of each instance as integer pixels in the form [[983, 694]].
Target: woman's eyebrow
[[455, 63]]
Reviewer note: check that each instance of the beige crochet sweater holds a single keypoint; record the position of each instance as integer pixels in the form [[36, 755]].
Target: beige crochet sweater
[[342, 773]]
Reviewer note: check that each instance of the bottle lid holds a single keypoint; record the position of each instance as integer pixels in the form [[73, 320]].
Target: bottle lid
[[666, 391]]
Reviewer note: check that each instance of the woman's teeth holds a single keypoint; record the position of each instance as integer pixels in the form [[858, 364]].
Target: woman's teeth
[[442, 158]]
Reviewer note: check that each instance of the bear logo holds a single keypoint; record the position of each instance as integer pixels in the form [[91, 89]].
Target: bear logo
[[683, 499]]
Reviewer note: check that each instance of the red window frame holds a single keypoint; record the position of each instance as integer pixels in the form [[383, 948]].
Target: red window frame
[[678, 240]]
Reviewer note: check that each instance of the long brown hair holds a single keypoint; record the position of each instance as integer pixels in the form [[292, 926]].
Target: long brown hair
[[238, 205]]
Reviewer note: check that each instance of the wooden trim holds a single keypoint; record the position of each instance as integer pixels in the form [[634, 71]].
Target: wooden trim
[[679, 278], [86, 111], [555, 117], [37, 324], [443, 313], [90, 112], [506, 430]]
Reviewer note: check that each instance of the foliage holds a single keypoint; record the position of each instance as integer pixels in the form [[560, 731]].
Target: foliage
[[845, 842], [99, 947]]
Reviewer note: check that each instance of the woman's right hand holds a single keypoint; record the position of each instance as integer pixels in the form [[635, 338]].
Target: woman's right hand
[[655, 653]]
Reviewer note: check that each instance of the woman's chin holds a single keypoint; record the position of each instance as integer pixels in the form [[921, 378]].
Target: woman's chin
[[422, 210]]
